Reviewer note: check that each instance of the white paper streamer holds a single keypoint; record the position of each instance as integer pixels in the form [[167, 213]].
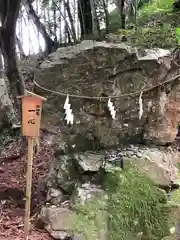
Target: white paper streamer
[[140, 106], [68, 111], [111, 109]]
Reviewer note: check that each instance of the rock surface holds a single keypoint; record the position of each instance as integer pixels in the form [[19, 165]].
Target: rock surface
[[67, 171], [105, 69], [157, 164], [76, 178], [56, 221]]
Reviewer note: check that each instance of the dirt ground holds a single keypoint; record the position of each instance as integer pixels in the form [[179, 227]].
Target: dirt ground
[[12, 187]]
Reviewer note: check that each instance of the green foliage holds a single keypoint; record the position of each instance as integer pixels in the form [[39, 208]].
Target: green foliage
[[114, 20], [158, 6], [156, 26], [134, 205], [163, 36], [178, 35], [175, 196]]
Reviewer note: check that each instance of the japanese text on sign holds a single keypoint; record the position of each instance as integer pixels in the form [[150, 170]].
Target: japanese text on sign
[[31, 115]]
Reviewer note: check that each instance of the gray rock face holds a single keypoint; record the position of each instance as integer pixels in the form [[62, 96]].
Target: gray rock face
[[56, 221], [98, 68], [157, 164], [67, 171]]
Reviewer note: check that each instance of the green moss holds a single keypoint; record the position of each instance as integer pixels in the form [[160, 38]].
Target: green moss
[[134, 205], [163, 36], [88, 219], [175, 196], [135, 199]]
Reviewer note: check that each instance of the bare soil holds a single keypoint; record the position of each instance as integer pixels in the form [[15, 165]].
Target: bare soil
[[12, 188]]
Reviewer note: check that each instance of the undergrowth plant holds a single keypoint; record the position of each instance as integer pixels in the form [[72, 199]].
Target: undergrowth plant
[[156, 6], [178, 35], [133, 205], [158, 36]]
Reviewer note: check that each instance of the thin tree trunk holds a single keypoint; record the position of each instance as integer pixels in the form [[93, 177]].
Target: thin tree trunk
[[65, 26], [106, 15], [85, 18], [95, 23], [68, 35], [60, 23], [120, 4], [38, 36], [66, 4], [81, 19], [1, 64], [21, 50], [48, 17], [55, 25], [63, 16], [50, 46]]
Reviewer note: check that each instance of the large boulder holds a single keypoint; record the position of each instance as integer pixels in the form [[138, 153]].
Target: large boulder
[[157, 163], [105, 69]]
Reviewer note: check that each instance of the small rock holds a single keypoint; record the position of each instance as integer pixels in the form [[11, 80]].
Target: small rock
[[60, 235], [54, 196], [56, 221], [89, 161], [85, 192]]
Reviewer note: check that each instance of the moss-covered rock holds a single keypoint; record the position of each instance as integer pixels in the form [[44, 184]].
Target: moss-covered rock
[[135, 208]]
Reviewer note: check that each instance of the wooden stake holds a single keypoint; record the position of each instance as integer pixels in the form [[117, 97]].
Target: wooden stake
[[28, 187], [31, 118]]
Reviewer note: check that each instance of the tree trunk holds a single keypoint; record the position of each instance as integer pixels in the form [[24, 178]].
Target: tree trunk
[[66, 4], [68, 34], [20, 47], [9, 10], [1, 64], [85, 17], [50, 46], [95, 22], [120, 4], [106, 15], [55, 26]]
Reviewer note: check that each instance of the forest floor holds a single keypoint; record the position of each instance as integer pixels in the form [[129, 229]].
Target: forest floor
[[12, 188]]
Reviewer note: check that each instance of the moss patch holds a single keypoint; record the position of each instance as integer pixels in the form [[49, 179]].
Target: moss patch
[[134, 206]]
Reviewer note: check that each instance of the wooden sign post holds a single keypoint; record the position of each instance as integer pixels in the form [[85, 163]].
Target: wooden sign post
[[31, 119]]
